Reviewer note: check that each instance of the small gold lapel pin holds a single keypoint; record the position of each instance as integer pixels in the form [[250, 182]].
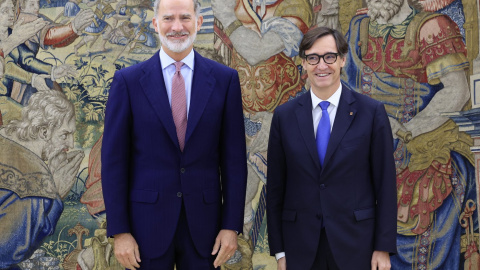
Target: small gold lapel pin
[[351, 113]]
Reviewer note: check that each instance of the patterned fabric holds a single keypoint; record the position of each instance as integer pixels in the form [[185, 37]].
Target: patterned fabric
[[416, 54], [29, 204], [179, 104], [323, 131], [432, 185]]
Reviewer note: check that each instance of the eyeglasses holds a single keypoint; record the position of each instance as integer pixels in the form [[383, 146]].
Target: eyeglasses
[[328, 58]]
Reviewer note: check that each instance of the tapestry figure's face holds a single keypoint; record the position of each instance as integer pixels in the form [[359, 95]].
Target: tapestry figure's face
[[61, 140], [31, 6], [7, 16]]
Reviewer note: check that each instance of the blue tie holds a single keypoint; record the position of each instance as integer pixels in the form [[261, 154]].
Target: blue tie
[[323, 132]]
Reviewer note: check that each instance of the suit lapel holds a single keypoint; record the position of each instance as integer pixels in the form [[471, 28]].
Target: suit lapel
[[305, 122], [153, 85], [344, 117], [202, 87]]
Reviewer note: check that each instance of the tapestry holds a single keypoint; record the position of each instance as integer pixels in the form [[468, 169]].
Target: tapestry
[[58, 58]]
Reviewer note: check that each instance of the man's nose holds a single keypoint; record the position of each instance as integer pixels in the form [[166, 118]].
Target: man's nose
[[321, 64], [70, 141], [177, 26]]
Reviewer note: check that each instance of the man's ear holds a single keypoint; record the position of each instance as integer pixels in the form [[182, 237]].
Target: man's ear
[[44, 133]]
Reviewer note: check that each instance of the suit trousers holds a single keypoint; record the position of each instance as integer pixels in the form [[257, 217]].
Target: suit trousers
[[324, 259], [182, 252]]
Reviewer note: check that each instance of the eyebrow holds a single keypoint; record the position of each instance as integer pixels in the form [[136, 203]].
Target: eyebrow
[[319, 54], [181, 15]]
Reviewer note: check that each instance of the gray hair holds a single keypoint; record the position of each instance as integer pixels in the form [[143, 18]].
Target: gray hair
[[46, 109], [196, 8]]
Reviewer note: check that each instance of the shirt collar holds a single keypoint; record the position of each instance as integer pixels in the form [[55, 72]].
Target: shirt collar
[[333, 99], [166, 60]]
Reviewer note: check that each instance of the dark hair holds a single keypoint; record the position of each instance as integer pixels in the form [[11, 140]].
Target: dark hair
[[316, 33]]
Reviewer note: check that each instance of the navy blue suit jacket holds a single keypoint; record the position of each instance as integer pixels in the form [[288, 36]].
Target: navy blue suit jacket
[[354, 194], [145, 176]]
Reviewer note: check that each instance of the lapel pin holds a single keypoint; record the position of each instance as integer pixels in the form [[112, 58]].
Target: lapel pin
[[351, 113]]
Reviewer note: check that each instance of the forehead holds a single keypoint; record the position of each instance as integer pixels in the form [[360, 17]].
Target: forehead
[[176, 6], [323, 45], [67, 125]]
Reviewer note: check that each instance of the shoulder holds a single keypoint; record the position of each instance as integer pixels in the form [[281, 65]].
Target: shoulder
[[435, 18], [364, 101], [33, 178], [139, 68], [292, 105], [434, 24], [218, 68]]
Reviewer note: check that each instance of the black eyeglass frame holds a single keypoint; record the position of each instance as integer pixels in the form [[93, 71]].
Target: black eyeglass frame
[[322, 57]]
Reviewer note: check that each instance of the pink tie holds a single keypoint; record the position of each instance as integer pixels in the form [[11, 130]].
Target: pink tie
[[179, 104]]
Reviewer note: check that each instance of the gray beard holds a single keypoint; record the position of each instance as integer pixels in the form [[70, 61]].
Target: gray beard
[[177, 47], [386, 9], [50, 151]]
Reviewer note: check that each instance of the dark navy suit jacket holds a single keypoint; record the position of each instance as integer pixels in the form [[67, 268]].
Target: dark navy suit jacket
[[145, 176], [353, 195]]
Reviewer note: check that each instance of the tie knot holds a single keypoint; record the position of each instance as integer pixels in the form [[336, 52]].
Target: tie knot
[[178, 65], [324, 105]]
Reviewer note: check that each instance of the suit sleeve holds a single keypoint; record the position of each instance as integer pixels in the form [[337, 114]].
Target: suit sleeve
[[276, 177], [384, 181], [115, 156], [233, 164]]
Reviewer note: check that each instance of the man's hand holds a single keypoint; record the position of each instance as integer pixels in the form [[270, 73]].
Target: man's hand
[[63, 70], [282, 264], [380, 260], [65, 167], [21, 32], [226, 241], [38, 82], [83, 19], [126, 250]]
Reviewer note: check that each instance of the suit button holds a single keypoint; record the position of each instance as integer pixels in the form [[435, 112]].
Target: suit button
[[179, 194], [182, 170], [322, 186]]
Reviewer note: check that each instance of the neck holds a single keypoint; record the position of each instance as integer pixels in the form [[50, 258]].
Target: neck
[[178, 56], [325, 94]]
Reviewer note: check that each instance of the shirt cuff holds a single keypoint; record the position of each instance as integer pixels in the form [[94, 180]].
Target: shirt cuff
[[279, 255]]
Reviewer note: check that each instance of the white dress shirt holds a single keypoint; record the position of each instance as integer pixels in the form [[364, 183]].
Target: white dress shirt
[[168, 70], [316, 115], [332, 108]]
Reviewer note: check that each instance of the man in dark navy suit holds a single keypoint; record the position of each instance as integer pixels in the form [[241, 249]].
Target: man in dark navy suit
[[331, 197], [173, 156]]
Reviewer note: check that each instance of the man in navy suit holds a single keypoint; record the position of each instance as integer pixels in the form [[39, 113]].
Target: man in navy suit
[[331, 197], [173, 156]]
